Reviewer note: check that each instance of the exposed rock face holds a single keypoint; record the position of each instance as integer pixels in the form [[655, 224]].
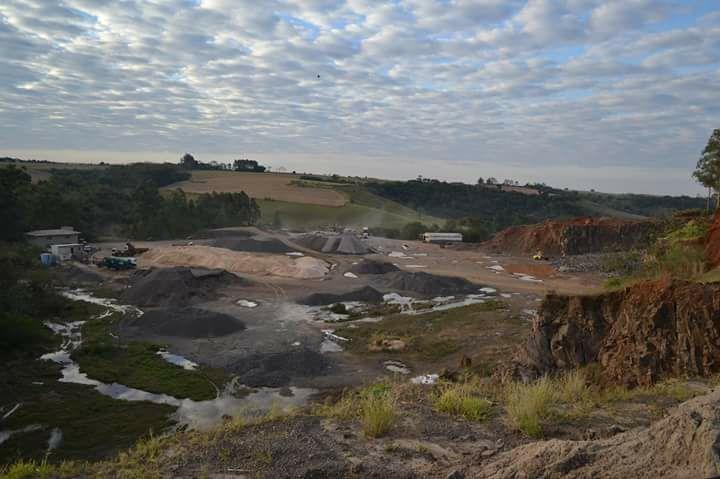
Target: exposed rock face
[[685, 444], [646, 332], [712, 243], [576, 236]]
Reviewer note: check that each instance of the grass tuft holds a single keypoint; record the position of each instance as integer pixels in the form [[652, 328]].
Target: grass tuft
[[462, 400], [378, 412], [528, 404]]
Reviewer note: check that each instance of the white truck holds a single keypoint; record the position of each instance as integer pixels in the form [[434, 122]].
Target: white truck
[[442, 238]]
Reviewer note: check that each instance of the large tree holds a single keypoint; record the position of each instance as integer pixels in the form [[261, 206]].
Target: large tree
[[707, 171]]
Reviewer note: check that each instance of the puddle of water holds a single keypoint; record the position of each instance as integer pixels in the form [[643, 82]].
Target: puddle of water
[[396, 367], [177, 360], [11, 411], [5, 435], [55, 439], [350, 275], [425, 379], [488, 290], [416, 266], [328, 346], [246, 303], [295, 253], [496, 267]]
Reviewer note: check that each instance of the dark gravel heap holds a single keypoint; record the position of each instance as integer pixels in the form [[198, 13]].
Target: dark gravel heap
[[191, 323], [278, 369], [368, 294], [179, 286], [369, 266], [424, 284], [271, 245]]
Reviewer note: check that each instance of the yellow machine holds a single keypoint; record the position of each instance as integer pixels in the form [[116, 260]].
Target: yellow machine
[[539, 256]]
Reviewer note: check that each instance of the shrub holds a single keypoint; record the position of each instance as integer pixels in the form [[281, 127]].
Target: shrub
[[462, 400], [528, 404], [377, 410]]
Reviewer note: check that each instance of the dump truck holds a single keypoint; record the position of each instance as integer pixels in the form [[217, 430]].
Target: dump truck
[[130, 250]]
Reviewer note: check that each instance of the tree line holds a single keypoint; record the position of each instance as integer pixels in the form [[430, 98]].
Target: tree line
[[121, 200]]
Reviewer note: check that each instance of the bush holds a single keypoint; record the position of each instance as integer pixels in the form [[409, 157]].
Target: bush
[[462, 400], [528, 404], [378, 411]]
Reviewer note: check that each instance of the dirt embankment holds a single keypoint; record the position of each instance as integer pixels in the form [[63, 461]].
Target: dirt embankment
[[683, 445], [639, 335], [235, 261], [712, 243], [576, 236]]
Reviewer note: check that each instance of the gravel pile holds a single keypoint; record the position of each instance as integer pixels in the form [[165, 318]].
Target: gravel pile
[[191, 323], [278, 369], [271, 245], [424, 284], [345, 243], [368, 266], [367, 294], [611, 264], [179, 286]]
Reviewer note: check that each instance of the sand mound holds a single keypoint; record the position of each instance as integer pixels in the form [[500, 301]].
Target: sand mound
[[345, 243], [712, 243], [424, 284], [681, 445], [270, 245], [235, 261], [184, 323], [575, 236], [368, 266], [278, 369], [639, 335], [367, 294], [179, 286]]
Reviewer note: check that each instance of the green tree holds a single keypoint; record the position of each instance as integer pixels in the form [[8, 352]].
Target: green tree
[[14, 182], [707, 172]]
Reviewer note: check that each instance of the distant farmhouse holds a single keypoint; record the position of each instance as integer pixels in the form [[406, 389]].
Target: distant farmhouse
[[45, 238]]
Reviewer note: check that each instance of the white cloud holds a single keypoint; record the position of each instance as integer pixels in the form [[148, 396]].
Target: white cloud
[[458, 82]]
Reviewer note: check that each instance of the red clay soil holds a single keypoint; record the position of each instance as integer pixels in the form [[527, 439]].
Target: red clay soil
[[649, 331], [712, 243], [573, 236]]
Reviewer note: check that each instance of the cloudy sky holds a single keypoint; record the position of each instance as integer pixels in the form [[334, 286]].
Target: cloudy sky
[[617, 95]]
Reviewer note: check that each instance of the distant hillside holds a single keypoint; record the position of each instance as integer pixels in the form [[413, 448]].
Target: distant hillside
[[499, 208]]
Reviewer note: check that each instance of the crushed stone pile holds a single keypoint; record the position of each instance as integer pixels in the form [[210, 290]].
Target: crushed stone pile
[[368, 266], [190, 322], [575, 236], [305, 267], [712, 243], [270, 245], [344, 243], [638, 336], [424, 284], [277, 369], [368, 294], [681, 445], [178, 286]]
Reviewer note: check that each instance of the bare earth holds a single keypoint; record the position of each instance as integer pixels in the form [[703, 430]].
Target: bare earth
[[273, 186]]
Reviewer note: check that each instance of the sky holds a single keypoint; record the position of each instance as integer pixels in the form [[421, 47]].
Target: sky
[[618, 95]]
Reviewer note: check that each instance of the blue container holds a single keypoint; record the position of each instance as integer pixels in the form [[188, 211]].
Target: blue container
[[46, 259]]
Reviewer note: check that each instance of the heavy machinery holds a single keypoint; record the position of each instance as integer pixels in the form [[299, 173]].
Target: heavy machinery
[[130, 250], [118, 263], [539, 256]]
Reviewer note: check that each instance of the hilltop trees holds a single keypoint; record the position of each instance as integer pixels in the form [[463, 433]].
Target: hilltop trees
[[707, 172]]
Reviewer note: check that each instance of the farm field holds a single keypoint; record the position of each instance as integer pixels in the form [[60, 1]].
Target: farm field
[[261, 186]]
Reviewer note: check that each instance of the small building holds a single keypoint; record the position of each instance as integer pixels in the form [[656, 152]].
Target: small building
[[443, 238], [66, 252], [61, 236]]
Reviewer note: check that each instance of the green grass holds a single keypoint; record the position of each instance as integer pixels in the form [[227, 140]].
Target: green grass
[[353, 214], [431, 336], [462, 399], [527, 405], [137, 365], [378, 411]]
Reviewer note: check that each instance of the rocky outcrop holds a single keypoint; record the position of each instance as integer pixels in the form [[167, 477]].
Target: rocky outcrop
[[685, 444], [576, 236], [639, 335], [712, 243]]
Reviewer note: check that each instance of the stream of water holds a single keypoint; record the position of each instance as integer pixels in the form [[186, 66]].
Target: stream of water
[[234, 400]]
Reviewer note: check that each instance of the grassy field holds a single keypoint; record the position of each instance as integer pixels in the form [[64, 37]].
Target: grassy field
[[261, 186]]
